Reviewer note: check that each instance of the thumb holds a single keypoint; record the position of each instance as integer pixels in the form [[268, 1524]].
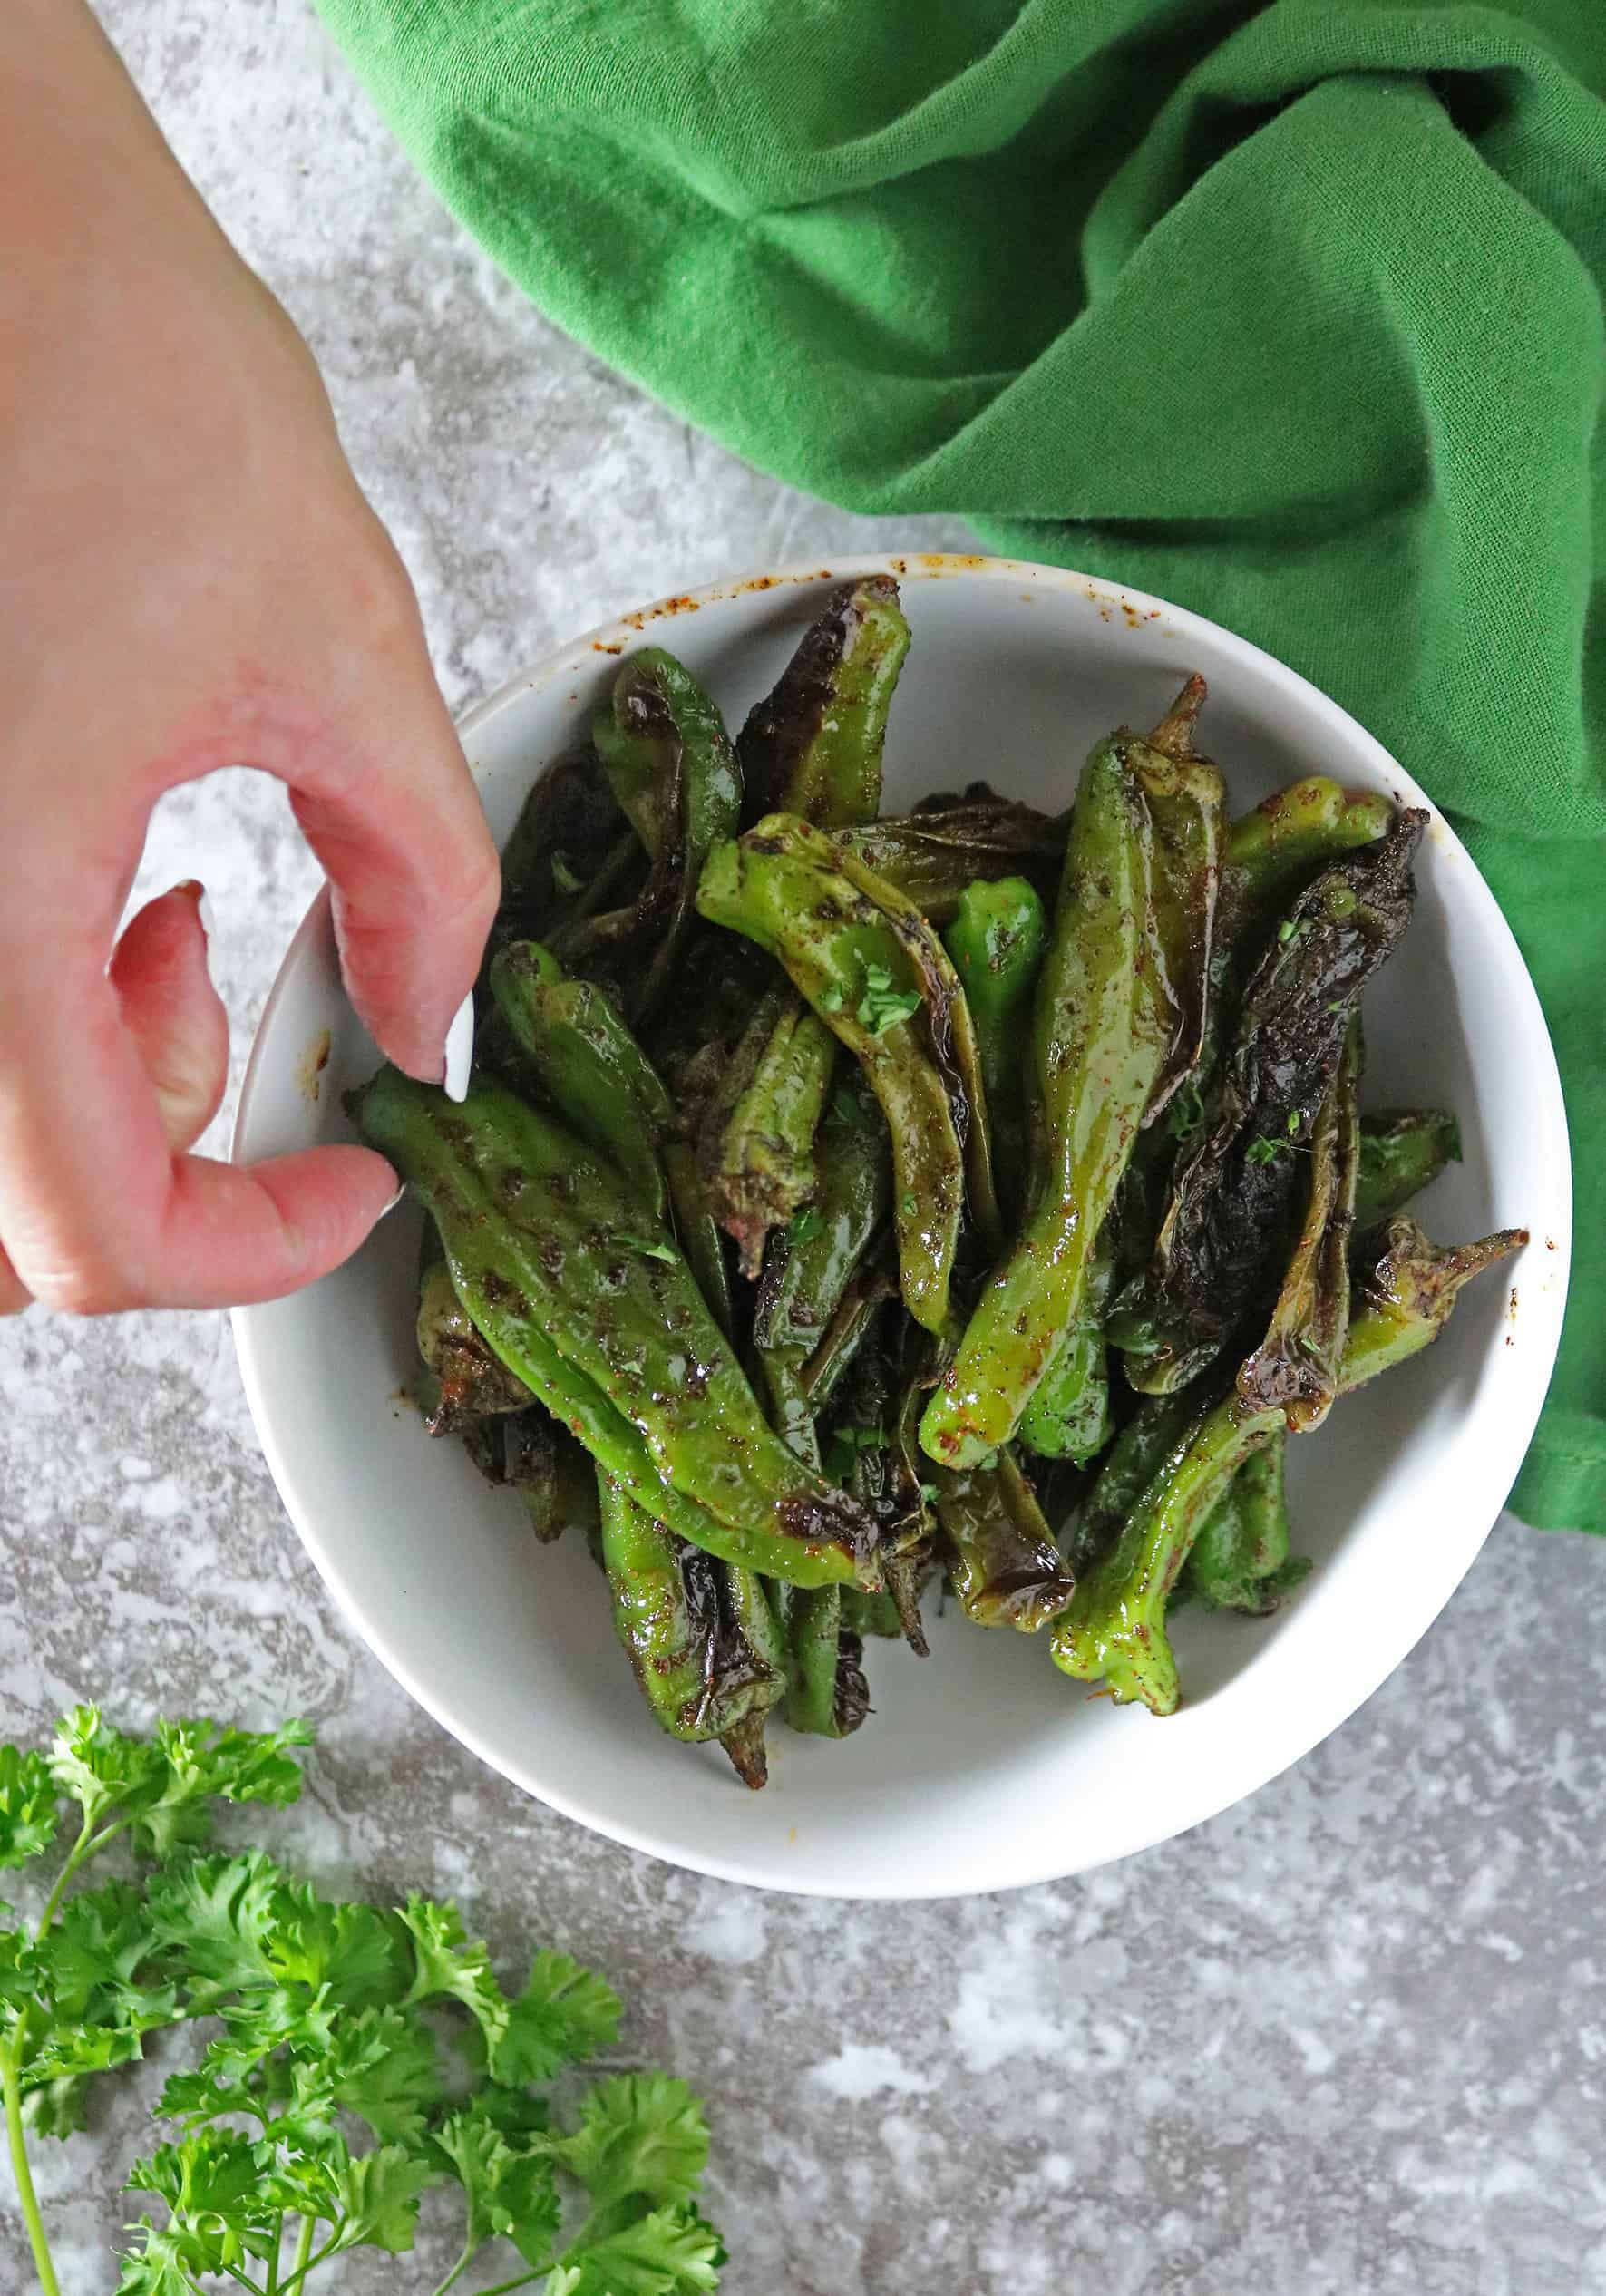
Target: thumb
[[385, 797]]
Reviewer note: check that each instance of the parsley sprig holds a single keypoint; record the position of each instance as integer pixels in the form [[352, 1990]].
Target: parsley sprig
[[358, 2055]]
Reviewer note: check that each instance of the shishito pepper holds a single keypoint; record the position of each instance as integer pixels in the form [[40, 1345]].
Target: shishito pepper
[[700, 1635], [876, 973], [1103, 1029], [1006, 1569], [597, 1312], [1401, 1151], [1296, 1364], [1240, 1559], [997, 938], [758, 1135], [1115, 1628], [600, 1081], [814, 745], [672, 768]]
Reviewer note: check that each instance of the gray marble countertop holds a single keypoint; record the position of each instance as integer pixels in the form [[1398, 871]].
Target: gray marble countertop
[[1349, 2037]]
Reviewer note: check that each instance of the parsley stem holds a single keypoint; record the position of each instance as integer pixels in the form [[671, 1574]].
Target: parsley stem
[[302, 2256], [458, 2269], [521, 2280], [304, 2260], [11, 2081]]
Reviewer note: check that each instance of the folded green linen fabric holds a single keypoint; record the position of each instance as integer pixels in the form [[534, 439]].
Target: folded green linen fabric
[[1291, 313]]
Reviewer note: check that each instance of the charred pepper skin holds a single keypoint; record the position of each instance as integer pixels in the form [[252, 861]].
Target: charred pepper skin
[[1103, 1025], [1115, 1628], [686, 1631], [672, 768], [1232, 1193], [1004, 1566], [838, 931], [758, 1153], [814, 745], [931, 856], [605, 1325], [1296, 1364]]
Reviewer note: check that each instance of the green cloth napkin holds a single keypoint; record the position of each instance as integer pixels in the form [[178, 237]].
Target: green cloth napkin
[[1291, 313]]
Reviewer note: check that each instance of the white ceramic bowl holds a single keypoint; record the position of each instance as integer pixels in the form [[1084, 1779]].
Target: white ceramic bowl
[[982, 1767]]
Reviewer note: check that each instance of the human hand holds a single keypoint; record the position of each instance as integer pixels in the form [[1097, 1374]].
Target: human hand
[[190, 577]]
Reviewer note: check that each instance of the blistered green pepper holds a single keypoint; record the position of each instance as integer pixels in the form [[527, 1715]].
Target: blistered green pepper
[[996, 938], [472, 1384], [1115, 1628], [814, 745], [1400, 1152], [702, 1640], [1069, 1417], [872, 969], [1004, 1566], [596, 1310], [1103, 1025], [810, 1265], [1240, 1560], [759, 1132], [1296, 1364], [932, 855], [672, 768], [1271, 852], [600, 1081]]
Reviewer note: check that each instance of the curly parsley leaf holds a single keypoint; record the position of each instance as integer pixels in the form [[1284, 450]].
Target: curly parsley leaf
[[28, 1805], [377, 2195], [883, 1006], [449, 1966], [510, 2190], [669, 2252], [565, 2015], [641, 2135]]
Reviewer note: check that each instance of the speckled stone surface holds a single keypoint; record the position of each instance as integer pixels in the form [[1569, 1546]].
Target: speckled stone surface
[[1348, 2039]]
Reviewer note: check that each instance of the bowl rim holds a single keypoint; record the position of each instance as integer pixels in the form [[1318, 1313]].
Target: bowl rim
[[618, 636]]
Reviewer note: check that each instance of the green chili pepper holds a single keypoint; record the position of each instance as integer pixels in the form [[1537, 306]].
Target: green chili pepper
[[1296, 1364], [868, 964], [806, 1276], [933, 855], [471, 1383], [686, 1627], [814, 745], [1273, 853], [588, 1064], [1115, 1628], [995, 939], [867, 1615], [1185, 796], [1069, 1417], [1004, 1566], [601, 1082], [759, 1131], [554, 1478], [1240, 1560], [596, 1311], [1102, 1029], [672, 768], [1400, 1152]]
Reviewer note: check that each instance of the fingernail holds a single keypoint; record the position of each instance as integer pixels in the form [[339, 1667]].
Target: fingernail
[[394, 1201], [193, 890], [460, 1050]]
